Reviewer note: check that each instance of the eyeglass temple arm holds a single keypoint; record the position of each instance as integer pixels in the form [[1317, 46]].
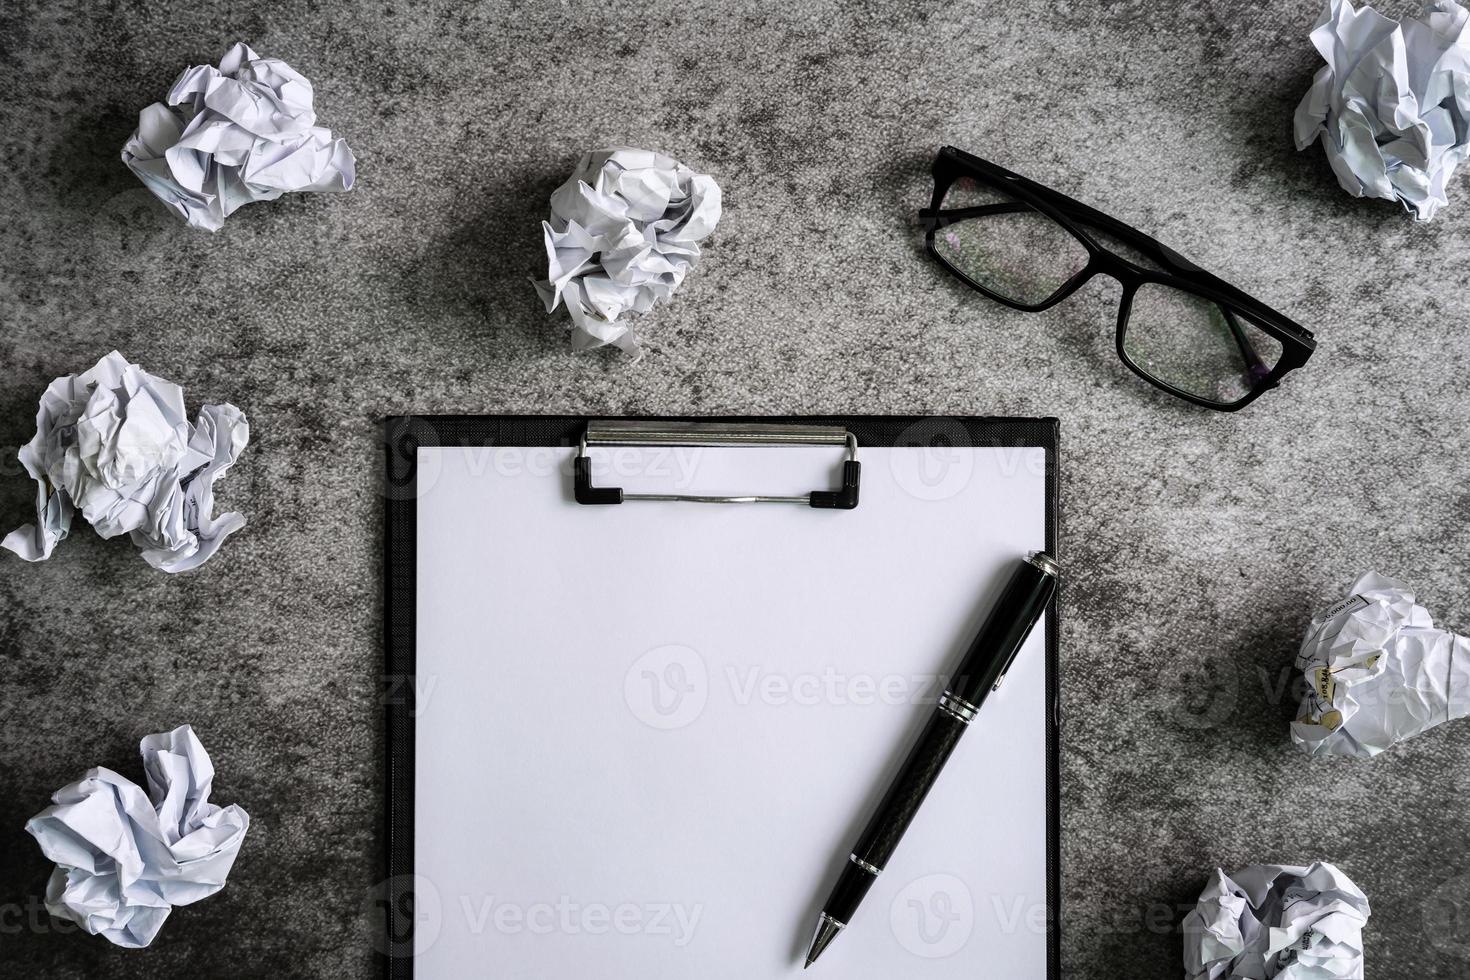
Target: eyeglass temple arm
[[1257, 368]]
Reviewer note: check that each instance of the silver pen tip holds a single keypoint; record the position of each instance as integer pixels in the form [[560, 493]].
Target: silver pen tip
[[827, 930]]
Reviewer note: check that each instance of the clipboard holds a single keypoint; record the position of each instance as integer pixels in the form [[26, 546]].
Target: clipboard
[[563, 799]]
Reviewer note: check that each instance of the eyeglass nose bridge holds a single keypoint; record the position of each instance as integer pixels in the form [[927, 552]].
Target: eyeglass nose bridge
[[1116, 268]]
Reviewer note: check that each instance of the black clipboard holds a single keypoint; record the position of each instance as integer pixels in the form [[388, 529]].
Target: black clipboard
[[393, 899]]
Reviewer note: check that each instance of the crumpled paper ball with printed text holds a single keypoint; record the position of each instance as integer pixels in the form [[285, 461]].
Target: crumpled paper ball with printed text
[[1277, 922], [245, 131], [1377, 671], [114, 443], [1392, 104], [125, 859], [623, 233]]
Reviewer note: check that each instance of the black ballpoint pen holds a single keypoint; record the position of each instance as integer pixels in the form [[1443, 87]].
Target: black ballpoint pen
[[981, 671]]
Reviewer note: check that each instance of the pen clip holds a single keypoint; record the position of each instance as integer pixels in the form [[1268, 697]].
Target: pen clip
[[1004, 670], [1048, 566], [1010, 661]]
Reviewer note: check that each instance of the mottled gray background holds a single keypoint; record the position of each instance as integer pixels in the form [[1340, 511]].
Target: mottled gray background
[[1197, 543]]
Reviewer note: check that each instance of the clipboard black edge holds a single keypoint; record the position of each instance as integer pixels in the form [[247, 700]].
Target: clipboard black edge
[[402, 436]]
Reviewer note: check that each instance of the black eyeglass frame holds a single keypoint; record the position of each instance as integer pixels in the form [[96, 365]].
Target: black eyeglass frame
[[1297, 343]]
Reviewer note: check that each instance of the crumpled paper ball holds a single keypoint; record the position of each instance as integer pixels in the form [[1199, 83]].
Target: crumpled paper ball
[[1392, 104], [125, 859], [114, 442], [1377, 672], [1277, 921], [623, 234], [245, 131]]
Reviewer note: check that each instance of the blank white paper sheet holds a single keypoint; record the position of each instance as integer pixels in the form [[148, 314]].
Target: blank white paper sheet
[[648, 735]]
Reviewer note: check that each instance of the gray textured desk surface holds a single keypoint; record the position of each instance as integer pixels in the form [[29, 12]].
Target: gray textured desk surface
[[1197, 543]]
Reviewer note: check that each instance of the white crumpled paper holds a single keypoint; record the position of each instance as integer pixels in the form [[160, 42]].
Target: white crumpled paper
[[622, 235], [245, 131], [123, 859], [1392, 105], [1273, 920], [1377, 672], [114, 442]]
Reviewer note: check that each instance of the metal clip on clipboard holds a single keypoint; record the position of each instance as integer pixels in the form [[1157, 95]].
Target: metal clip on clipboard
[[716, 434]]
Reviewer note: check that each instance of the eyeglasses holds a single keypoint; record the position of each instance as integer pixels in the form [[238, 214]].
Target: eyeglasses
[[1179, 328]]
